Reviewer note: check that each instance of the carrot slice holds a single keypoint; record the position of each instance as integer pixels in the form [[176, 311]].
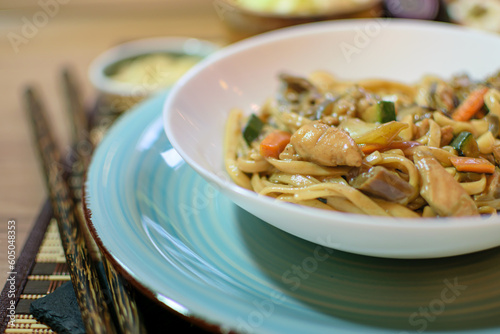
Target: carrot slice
[[470, 106], [475, 165], [370, 148], [274, 143]]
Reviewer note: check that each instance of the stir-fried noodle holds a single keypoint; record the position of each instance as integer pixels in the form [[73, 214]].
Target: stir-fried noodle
[[373, 147]]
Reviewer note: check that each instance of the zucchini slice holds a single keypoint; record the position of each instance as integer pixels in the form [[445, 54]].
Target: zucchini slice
[[465, 144], [252, 129], [382, 112]]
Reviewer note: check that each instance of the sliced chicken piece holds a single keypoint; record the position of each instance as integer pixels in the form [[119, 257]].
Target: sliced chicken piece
[[289, 153], [443, 193], [325, 145]]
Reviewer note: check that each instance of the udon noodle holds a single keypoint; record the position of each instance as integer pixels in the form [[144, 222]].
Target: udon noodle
[[374, 147]]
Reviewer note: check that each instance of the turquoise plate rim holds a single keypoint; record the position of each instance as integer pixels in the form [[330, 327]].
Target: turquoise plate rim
[[226, 310], [105, 144]]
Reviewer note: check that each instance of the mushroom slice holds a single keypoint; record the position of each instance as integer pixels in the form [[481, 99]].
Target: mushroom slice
[[382, 183]]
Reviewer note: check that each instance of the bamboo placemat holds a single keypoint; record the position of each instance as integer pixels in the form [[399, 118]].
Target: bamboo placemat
[[49, 272], [41, 267]]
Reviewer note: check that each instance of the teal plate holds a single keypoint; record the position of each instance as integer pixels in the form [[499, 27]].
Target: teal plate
[[176, 238]]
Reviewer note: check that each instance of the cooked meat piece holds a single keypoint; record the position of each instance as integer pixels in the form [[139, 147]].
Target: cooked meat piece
[[326, 145], [496, 154], [297, 85], [298, 95], [446, 135], [443, 193], [289, 153], [492, 191], [494, 185], [380, 182]]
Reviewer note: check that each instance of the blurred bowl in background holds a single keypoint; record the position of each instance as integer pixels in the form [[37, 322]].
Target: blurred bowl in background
[[245, 18], [480, 14], [130, 72]]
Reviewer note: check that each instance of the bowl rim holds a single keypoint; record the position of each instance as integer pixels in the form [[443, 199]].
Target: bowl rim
[[409, 224], [140, 47]]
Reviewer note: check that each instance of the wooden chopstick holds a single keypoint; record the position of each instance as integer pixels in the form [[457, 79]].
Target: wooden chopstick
[[79, 119], [95, 312], [124, 306], [80, 153]]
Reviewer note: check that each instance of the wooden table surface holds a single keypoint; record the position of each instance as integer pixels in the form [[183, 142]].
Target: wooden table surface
[[70, 33]]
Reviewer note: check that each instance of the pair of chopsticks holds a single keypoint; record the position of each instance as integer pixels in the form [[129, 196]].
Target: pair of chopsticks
[[105, 304]]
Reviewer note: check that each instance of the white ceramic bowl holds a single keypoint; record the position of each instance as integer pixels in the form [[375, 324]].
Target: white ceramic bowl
[[122, 95], [245, 74]]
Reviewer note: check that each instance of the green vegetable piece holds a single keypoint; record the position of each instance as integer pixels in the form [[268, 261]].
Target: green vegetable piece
[[387, 111], [252, 129], [465, 144], [382, 112]]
